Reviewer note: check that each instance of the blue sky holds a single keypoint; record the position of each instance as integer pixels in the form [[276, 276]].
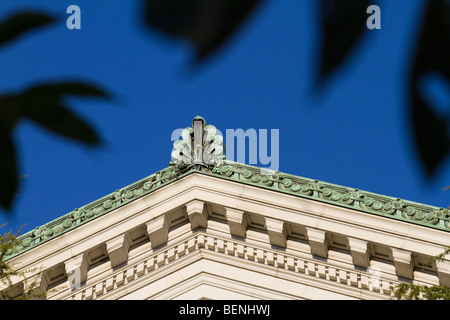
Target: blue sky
[[354, 133]]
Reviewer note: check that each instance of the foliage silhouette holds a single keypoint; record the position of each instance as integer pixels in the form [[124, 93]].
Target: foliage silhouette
[[42, 104], [209, 24], [342, 25], [18, 24], [432, 55], [205, 24]]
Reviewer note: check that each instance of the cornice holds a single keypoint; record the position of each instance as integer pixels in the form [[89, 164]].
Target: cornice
[[351, 198], [399, 209], [345, 281]]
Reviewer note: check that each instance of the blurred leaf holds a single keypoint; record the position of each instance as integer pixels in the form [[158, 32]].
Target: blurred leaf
[[433, 47], [43, 104], [20, 23], [8, 170], [432, 54], [54, 90], [206, 24], [10, 112], [53, 116], [342, 23], [431, 134]]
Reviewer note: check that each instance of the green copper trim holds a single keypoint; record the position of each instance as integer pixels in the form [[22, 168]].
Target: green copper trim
[[394, 208], [404, 210], [93, 210]]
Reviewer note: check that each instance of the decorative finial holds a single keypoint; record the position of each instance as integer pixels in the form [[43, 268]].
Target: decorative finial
[[200, 146]]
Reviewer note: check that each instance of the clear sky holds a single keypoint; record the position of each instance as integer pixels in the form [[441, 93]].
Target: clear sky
[[355, 133]]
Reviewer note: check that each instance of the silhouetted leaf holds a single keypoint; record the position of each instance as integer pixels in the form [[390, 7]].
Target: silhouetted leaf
[[53, 116], [8, 170], [43, 104], [20, 23], [55, 90], [433, 47], [10, 112], [206, 24], [431, 134], [342, 23], [432, 55]]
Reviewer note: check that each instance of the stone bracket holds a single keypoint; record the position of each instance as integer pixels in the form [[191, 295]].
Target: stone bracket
[[76, 270], [317, 242], [443, 270], [359, 250], [277, 232], [236, 222], [403, 263], [158, 231], [117, 249], [36, 284], [197, 214]]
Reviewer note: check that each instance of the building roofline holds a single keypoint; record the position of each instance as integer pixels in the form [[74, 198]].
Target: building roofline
[[351, 198], [201, 151]]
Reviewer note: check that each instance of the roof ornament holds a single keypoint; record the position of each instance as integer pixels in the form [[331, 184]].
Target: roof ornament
[[200, 147]]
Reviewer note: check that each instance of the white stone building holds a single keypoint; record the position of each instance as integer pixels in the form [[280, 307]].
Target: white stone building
[[207, 229]]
